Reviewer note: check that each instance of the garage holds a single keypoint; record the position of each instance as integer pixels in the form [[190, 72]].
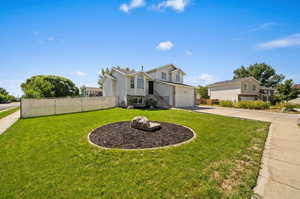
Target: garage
[[247, 97], [184, 96]]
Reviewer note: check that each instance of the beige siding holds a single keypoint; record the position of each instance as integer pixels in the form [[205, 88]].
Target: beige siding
[[108, 87], [247, 87], [164, 90], [229, 92]]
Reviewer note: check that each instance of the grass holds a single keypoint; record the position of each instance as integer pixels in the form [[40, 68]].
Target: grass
[[8, 112], [50, 157]]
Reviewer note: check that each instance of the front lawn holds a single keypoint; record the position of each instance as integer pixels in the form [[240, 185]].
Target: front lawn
[[8, 112], [50, 157]]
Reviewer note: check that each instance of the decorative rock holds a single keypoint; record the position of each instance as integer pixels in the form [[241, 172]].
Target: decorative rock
[[130, 107], [142, 123]]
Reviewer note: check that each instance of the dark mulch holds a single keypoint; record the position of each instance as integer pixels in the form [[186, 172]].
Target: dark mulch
[[121, 135]]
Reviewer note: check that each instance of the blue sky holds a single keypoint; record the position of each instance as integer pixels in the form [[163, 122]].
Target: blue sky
[[208, 39]]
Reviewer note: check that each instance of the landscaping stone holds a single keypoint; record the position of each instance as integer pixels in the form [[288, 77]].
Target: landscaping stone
[[142, 123], [130, 107]]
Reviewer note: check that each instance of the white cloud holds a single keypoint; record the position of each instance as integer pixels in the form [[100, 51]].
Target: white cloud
[[132, 5], [177, 5], [292, 40], [202, 79], [188, 53], [164, 46], [263, 26], [50, 38], [79, 73]]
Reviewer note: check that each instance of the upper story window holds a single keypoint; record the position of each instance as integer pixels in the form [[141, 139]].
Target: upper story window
[[164, 76], [254, 88], [140, 81], [132, 82], [245, 87], [177, 77]]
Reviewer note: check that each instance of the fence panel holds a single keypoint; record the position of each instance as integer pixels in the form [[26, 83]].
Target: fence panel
[[53, 106]]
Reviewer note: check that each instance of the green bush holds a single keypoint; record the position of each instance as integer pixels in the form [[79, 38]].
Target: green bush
[[259, 105], [226, 103], [291, 106], [150, 103]]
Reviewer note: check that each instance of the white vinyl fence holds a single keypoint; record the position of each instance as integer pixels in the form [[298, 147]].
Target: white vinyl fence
[[53, 106]]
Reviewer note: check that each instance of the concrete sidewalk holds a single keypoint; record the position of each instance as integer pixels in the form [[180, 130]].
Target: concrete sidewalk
[[9, 120], [280, 168]]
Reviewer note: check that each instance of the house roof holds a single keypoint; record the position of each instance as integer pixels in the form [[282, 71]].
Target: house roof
[[124, 71], [165, 66], [231, 81], [175, 84]]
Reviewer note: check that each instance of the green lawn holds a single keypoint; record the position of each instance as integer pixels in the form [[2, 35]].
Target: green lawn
[[50, 157], [8, 112]]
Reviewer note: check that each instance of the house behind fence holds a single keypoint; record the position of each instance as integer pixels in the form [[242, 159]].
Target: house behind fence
[[54, 106]]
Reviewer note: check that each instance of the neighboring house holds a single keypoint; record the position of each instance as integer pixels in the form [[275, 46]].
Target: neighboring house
[[91, 91], [164, 84], [240, 89]]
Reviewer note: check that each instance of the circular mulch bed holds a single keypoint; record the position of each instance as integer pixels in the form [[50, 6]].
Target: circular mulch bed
[[120, 135]]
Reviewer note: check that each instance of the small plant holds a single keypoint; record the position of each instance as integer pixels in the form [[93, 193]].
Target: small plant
[[150, 103], [226, 103], [259, 105]]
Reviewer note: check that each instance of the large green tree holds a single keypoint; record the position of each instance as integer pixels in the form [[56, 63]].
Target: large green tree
[[286, 91], [260, 71], [41, 86], [203, 92]]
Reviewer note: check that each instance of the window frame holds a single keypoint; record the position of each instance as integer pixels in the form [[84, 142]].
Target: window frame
[[132, 82], [177, 76], [163, 75], [140, 80]]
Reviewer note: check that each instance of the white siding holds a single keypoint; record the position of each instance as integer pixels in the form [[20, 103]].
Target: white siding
[[108, 87], [230, 92], [121, 86], [164, 90], [184, 97]]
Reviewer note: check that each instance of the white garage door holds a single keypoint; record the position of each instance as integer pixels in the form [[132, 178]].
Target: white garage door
[[247, 98], [184, 97]]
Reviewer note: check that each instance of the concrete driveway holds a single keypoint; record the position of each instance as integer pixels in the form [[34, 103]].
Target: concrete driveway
[[280, 173], [8, 106]]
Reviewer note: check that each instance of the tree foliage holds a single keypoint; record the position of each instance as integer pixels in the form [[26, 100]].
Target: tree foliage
[[260, 71], [101, 75], [286, 91], [5, 96], [203, 92], [41, 86]]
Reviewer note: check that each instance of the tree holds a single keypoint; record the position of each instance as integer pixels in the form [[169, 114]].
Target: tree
[[286, 91], [41, 86], [203, 92], [3, 91], [260, 71], [101, 75], [5, 96]]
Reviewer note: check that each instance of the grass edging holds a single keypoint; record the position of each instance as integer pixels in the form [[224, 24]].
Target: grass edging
[[5, 113]]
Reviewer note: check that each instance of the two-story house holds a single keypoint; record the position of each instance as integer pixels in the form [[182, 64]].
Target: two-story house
[[164, 84], [240, 89]]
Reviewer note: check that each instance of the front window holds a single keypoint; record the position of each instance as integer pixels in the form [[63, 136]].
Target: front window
[[132, 82], [254, 88], [163, 75], [140, 82], [177, 77], [245, 87]]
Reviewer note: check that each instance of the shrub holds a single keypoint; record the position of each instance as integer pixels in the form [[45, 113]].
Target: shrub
[[290, 106], [226, 103], [150, 103], [253, 105]]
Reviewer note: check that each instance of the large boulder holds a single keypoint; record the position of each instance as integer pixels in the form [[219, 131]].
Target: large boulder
[[142, 123]]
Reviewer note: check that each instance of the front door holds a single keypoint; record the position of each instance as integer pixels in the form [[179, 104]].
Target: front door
[[150, 87]]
